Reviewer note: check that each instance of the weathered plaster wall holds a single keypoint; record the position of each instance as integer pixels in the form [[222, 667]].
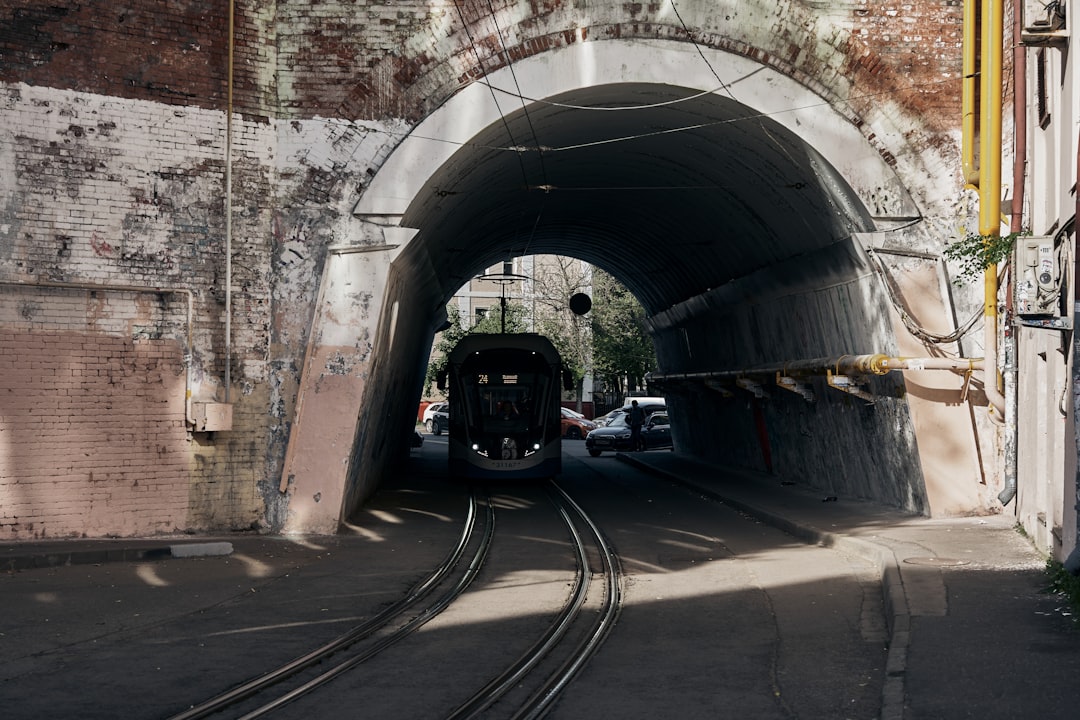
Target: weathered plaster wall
[[113, 148], [114, 124]]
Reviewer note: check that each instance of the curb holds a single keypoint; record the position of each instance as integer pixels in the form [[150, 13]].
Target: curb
[[897, 611], [98, 556]]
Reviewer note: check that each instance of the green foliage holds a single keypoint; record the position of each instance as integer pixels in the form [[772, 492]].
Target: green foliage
[[978, 253], [621, 347], [1066, 584]]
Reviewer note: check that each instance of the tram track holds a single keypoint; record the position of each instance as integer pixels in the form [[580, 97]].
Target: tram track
[[525, 689], [566, 646], [388, 627]]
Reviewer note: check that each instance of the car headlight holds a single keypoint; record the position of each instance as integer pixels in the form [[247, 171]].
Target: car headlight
[[624, 435]]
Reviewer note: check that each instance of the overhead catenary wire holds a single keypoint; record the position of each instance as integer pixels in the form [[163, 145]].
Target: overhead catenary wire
[[690, 37], [516, 148], [502, 116]]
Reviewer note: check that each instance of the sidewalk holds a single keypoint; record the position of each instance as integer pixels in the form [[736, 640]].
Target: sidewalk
[[55, 553], [972, 632]]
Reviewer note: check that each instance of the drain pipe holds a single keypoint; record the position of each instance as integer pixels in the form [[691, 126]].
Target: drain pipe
[[228, 202], [1072, 562], [1016, 225], [990, 187]]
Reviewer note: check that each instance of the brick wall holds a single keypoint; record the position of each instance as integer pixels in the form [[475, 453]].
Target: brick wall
[[106, 192], [92, 414], [112, 163]]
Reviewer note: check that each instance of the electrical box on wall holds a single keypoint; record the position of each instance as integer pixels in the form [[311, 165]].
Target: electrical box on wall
[[1040, 281], [1044, 23], [211, 416]]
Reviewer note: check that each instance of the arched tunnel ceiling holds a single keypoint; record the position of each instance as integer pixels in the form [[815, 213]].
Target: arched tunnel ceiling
[[671, 191]]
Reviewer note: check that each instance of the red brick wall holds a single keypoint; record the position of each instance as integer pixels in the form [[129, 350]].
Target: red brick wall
[[168, 52], [93, 433]]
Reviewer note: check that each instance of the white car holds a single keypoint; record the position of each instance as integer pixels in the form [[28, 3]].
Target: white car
[[436, 417]]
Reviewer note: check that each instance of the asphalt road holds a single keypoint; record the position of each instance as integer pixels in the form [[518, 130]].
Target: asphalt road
[[722, 617]]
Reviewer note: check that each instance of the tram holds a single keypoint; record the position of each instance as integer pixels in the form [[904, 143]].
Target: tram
[[504, 407]]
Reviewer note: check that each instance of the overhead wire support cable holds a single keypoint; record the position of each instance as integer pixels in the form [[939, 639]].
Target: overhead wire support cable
[[532, 129], [502, 116]]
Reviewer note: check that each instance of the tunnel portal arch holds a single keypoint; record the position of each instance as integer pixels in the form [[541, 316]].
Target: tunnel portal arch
[[711, 173]]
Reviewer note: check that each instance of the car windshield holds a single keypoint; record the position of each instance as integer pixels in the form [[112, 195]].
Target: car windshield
[[616, 420]]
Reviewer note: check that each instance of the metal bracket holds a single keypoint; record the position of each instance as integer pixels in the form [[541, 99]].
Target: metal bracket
[[751, 386], [719, 387], [786, 382], [845, 383]]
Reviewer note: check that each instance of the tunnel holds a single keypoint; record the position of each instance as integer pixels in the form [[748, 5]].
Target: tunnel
[[740, 211]]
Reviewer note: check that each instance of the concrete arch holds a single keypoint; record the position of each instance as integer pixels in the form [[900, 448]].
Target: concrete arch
[[443, 204], [770, 93]]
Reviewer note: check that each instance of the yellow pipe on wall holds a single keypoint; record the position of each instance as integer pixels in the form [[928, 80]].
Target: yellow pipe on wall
[[990, 92]]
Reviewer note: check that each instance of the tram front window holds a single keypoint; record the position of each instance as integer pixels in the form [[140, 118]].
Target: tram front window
[[504, 412]]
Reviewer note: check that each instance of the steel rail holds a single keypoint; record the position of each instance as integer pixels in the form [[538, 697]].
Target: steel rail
[[538, 705], [490, 693], [415, 623], [368, 628]]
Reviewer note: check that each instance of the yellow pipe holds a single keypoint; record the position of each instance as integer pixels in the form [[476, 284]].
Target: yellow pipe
[[967, 96], [990, 181]]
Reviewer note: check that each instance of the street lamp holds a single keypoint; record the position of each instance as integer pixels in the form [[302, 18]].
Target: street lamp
[[506, 277]]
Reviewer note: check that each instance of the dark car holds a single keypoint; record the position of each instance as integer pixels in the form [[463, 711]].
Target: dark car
[[656, 432], [615, 435]]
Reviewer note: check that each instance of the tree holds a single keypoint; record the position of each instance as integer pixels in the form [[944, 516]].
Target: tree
[[555, 279], [622, 350], [449, 338]]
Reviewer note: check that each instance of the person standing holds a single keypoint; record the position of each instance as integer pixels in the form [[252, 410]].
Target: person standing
[[636, 419]]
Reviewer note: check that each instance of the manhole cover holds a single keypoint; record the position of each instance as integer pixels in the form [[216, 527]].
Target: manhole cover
[[936, 561]]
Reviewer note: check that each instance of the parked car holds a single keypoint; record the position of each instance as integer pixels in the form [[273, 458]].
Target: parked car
[[437, 417], [615, 435], [656, 432], [574, 425], [432, 408]]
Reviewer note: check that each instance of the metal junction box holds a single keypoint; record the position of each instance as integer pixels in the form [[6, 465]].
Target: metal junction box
[[211, 416]]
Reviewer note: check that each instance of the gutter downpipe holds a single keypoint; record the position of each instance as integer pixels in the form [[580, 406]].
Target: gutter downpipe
[[1016, 225], [990, 187], [1072, 562], [228, 203]]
